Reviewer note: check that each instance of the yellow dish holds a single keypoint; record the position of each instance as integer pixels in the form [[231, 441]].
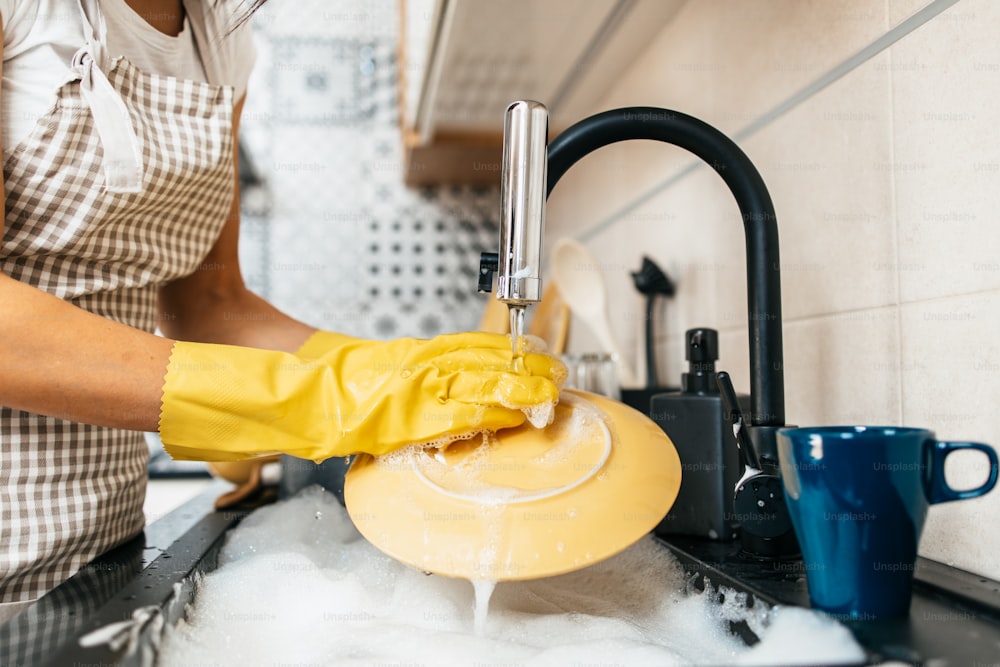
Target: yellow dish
[[527, 503]]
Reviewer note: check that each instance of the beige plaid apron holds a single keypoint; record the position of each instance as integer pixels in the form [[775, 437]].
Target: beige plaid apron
[[123, 185]]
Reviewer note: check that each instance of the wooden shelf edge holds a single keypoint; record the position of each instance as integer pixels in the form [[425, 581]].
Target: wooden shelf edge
[[454, 159]]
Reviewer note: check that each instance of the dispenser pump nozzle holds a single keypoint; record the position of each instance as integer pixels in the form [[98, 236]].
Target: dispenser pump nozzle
[[701, 351]]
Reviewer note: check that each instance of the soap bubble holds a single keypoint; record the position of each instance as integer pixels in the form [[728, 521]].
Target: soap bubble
[[290, 590]]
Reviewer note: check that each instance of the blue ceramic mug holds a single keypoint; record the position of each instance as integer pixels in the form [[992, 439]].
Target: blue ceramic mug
[[858, 497]]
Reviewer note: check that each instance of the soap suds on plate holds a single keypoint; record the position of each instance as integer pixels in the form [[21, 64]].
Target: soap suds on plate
[[297, 584]]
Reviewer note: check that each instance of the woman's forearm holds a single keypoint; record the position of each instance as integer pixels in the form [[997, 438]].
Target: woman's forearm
[[59, 360], [234, 316]]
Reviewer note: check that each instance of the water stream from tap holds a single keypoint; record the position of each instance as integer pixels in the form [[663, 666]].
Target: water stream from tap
[[517, 338], [483, 592]]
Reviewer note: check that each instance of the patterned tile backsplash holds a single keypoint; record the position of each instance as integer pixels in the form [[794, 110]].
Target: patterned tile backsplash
[[330, 234]]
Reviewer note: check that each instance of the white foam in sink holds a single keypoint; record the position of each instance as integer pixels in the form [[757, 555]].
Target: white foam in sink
[[297, 584]]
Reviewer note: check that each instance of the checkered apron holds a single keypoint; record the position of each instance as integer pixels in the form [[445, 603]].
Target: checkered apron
[[123, 185]]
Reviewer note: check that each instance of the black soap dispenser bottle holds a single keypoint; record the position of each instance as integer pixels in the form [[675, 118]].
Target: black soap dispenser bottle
[[696, 420]]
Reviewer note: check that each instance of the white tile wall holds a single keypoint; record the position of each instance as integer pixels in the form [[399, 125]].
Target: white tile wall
[[949, 381], [886, 189], [947, 145], [837, 243]]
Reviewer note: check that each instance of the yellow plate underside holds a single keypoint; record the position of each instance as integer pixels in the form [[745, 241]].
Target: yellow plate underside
[[531, 503]]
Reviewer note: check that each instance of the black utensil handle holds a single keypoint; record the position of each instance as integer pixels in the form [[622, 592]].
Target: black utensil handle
[[729, 400], [651, 378]]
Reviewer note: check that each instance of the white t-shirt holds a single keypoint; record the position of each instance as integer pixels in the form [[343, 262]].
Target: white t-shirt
[[41, 36]]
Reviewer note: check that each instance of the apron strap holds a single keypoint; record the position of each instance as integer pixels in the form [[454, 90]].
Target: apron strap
[[123, 166]]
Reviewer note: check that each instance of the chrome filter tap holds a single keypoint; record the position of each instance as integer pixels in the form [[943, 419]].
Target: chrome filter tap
[[523, 191]]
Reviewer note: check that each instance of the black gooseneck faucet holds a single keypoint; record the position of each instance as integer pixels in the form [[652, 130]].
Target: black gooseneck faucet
[[767, 394], [767, 390]]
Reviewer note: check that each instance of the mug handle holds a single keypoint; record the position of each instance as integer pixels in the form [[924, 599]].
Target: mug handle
[[938, 489]]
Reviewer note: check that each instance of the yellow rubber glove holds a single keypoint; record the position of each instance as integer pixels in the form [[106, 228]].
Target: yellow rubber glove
[[320, 343], [225, 403]]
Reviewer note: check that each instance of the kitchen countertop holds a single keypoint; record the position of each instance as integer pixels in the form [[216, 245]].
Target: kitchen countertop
[[954, 619], [954, 615], [141, 572]]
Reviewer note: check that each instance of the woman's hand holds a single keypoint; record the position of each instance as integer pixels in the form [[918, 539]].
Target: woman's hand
[[227, 403]]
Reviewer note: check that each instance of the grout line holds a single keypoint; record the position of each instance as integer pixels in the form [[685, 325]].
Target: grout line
[[894, 216], [986, 291], [846, 314], [916, 20], [851, 314]]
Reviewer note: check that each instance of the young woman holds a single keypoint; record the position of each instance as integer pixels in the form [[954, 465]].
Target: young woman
[[119, 120]]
